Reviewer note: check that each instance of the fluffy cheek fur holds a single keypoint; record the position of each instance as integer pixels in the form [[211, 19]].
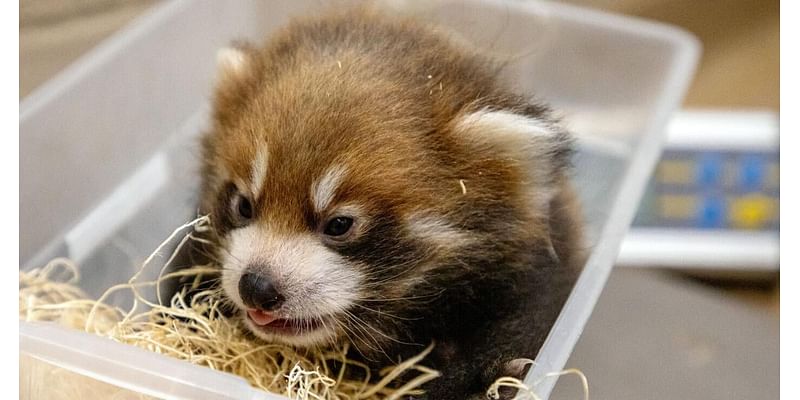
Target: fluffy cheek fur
[[316, 282]]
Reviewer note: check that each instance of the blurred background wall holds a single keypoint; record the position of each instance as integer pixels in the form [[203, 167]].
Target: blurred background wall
[[741, 38], [740, 65], [656, 333], [53, 33], [695, 334]]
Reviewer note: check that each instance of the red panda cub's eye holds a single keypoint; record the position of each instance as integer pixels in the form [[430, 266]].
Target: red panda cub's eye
[[243, 208], [338, 227]]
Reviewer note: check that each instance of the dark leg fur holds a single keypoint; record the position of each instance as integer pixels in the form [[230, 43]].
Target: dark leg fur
[[512, 317], [472, 361]]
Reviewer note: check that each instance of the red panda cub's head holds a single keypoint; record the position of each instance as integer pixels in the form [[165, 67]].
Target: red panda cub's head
[[358, 167]]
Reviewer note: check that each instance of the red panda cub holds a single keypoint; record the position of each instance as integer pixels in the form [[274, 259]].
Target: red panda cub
[[370, 181]]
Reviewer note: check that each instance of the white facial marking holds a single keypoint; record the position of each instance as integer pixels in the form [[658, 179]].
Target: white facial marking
[[258, 171], [436, 230], [231, 61], [324, 189], [316, 282]]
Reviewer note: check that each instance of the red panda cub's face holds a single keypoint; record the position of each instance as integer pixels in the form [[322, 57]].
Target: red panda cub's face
[[321, 203], [343, 193], [317, 216]]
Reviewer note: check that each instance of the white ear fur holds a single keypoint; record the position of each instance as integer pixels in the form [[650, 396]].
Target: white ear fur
[[530, 141], [231, 62], [514, 132]]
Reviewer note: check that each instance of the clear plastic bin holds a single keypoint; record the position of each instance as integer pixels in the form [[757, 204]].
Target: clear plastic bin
[[108, 153]]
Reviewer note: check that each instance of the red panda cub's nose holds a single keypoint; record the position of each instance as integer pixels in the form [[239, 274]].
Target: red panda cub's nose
[[258, 292]]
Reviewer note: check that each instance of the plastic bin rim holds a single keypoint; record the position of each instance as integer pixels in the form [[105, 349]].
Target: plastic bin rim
[[686, 49]]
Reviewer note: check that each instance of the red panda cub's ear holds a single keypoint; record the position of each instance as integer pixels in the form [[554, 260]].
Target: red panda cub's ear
[[238, 72], [539, 145], [232, 62]]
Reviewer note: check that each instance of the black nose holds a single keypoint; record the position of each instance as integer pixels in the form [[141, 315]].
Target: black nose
[[257, 291]]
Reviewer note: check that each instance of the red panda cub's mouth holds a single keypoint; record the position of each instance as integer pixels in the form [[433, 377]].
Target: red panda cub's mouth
[[271, 323]]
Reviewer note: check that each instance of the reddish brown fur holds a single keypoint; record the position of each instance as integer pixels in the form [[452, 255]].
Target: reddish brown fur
[[311, 113], [380, 97]]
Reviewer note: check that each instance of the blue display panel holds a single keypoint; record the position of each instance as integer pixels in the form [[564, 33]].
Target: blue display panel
[[713, 190]]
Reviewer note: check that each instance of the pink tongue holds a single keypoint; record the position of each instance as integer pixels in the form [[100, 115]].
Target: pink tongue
[[261, 318]]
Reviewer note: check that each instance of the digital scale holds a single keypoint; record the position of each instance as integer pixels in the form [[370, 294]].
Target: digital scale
[[714, 199]]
